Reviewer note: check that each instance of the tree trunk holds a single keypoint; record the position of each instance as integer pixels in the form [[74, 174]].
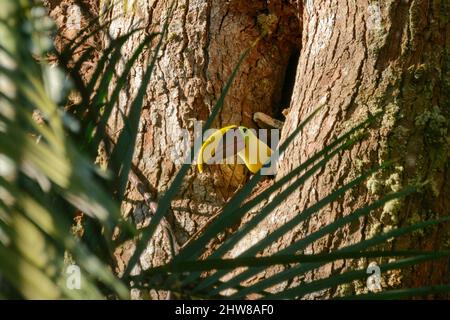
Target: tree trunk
[[353, 57], [358, 58], [204, 43]]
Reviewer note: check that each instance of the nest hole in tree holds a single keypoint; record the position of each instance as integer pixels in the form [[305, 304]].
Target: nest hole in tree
[[288, 84]]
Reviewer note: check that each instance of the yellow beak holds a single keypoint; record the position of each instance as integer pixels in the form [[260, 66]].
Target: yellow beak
[[249, 148]]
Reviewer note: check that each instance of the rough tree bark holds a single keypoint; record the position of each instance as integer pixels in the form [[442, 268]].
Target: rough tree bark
[[356, 57], [205, 40]]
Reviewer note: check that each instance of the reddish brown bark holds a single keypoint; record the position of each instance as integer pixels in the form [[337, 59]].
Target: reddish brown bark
[[356, 58], [359, 58]]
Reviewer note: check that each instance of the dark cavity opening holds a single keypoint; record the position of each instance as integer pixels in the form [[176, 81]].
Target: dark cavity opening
[[288, 84]]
